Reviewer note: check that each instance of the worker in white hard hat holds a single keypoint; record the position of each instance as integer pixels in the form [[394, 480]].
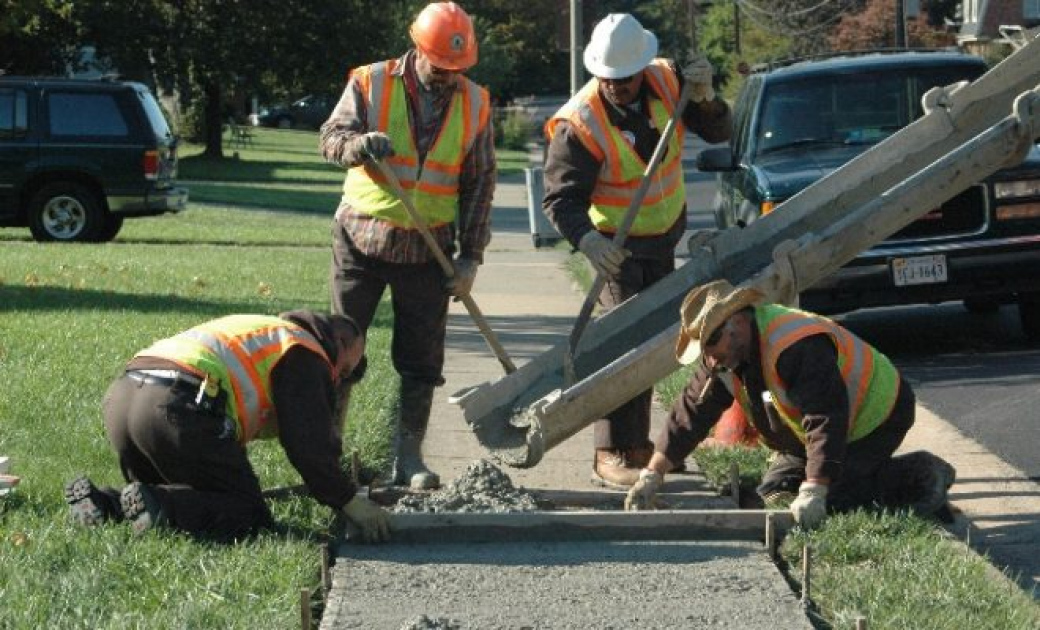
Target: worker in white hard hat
[[431, 126], [599, 145]]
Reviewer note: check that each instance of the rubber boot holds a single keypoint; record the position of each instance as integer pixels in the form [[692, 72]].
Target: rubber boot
[[413, 416]]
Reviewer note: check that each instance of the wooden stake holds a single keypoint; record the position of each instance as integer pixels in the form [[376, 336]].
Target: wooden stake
[[305, 609], [771, 537], [734, 482], [326, 574], [806, 561], [861, 623]]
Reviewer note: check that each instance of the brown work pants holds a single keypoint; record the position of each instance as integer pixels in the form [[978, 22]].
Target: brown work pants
[[863, 480], [418, 297], [628, 426], [190, 459]]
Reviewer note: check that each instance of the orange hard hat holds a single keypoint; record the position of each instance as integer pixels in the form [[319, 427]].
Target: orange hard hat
[[444, 33]]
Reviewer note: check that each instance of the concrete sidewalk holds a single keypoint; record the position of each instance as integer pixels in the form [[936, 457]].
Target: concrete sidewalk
[[530, 301]]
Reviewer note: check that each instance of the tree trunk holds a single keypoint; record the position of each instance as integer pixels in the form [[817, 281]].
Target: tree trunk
[[214, 121]]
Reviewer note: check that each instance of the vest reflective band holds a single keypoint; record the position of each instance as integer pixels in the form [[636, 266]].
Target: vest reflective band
[[621, 167], [434, 184], [239, 352]]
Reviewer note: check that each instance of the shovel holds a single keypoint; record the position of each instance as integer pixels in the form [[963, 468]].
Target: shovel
[[449, 271], [569, 375]]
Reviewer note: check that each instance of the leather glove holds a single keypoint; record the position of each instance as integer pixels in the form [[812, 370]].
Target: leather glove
[[375, 145], [810, 506], [604, 255], [643, 493], [699, 73], [464, 273], [372, 520]]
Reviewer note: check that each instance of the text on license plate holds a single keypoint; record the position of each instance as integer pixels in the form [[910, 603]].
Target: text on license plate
[[919, 270]]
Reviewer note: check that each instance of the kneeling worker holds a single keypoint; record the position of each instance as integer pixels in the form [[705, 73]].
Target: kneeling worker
[[180, 416], [834, 408]]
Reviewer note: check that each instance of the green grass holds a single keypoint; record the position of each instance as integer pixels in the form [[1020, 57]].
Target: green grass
[[895, 570]]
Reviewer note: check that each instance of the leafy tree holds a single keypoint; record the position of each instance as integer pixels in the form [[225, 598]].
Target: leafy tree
[[37, 36], [875, 27]]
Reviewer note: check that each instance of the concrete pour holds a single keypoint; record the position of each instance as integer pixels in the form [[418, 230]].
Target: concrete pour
[[675, 584]]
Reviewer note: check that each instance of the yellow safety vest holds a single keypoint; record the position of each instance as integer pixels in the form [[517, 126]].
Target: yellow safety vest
[[621, 168], [871, 381], [433, 184], [238, 352]]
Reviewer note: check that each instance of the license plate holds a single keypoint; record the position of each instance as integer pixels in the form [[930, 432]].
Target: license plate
[[919, 270]]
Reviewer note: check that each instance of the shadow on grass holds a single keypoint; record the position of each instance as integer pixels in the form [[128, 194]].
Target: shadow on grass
[[275, 200], [14, 298], [237, 170]]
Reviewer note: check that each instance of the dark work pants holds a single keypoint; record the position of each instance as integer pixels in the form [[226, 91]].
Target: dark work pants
[[199, 474], [862, 481], [628, 426], [419, 299]]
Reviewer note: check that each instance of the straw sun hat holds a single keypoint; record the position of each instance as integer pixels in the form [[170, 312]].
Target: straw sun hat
[[706, 308]]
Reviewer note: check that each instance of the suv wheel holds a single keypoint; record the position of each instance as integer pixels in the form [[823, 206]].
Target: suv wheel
[[284, 122], [1029, 313], [65, 211], [113, 223]]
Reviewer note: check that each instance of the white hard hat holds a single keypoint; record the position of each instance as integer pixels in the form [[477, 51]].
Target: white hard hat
[[619, 48]]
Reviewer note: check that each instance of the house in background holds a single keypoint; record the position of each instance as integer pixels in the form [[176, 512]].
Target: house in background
[[993, 27]]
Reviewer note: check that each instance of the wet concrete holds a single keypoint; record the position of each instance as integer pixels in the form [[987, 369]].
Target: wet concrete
[[645, 584]]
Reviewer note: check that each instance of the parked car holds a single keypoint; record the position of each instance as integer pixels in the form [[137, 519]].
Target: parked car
[[307, 113], [796, 122], [79, 156]]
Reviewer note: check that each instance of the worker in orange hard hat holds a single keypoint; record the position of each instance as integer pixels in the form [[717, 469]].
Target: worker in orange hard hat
[[432, 126]]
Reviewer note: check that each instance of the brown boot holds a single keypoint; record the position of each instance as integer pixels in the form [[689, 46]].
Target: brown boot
[[615, 469]]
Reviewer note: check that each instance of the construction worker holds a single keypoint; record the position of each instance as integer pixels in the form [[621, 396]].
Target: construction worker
[[599, 145], [182, 413], [832, 407], [433, 128]]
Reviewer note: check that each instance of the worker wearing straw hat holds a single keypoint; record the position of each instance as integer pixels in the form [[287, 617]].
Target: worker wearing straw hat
[[833, 408]]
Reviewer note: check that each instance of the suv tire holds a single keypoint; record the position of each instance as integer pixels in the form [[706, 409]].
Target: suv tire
[[1029, 314], [65, 211], [113, 223]]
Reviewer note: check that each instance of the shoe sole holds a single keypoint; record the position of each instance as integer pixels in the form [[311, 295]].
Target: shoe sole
[[135, 508], [79, 494], [596, 480]]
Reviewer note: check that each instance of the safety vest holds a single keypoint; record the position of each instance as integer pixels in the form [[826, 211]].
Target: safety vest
[[238, 353], [621, 169], [433, 184], [871, 381]]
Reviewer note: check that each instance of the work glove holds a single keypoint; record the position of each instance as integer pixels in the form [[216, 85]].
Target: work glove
[[464, 273], [605, 256], [643, 493], [699, 74], [375, 145], [372, 520], [810, 506]]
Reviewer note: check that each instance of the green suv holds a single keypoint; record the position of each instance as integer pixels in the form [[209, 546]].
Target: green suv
[[795, 122], [79, 156]]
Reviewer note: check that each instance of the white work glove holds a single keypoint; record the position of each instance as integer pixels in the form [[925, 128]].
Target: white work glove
[[810, 506], [372, 520], [699, 74], [604, 255], [643, 493], [464, 273], [375, 145]]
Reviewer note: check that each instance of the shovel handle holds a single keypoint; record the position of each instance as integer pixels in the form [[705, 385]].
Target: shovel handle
[[446, 266]]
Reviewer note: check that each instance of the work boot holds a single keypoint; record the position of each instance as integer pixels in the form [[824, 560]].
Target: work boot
[[89, 506], [413, 417], [141, 507], [919, 481], [617, 468]]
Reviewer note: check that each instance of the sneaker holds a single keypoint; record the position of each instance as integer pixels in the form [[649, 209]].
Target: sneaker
[[88, 506], [141, 507]]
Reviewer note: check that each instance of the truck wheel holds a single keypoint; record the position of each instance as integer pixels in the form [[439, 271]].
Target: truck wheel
[[284, 123], [65, 211], [113, 223], [1029, 313]]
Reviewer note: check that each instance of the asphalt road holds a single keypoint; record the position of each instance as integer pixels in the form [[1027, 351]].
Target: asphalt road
[[976, 371]]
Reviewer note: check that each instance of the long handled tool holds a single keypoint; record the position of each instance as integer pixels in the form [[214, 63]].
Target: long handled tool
[[622, 233], [449, 271]]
